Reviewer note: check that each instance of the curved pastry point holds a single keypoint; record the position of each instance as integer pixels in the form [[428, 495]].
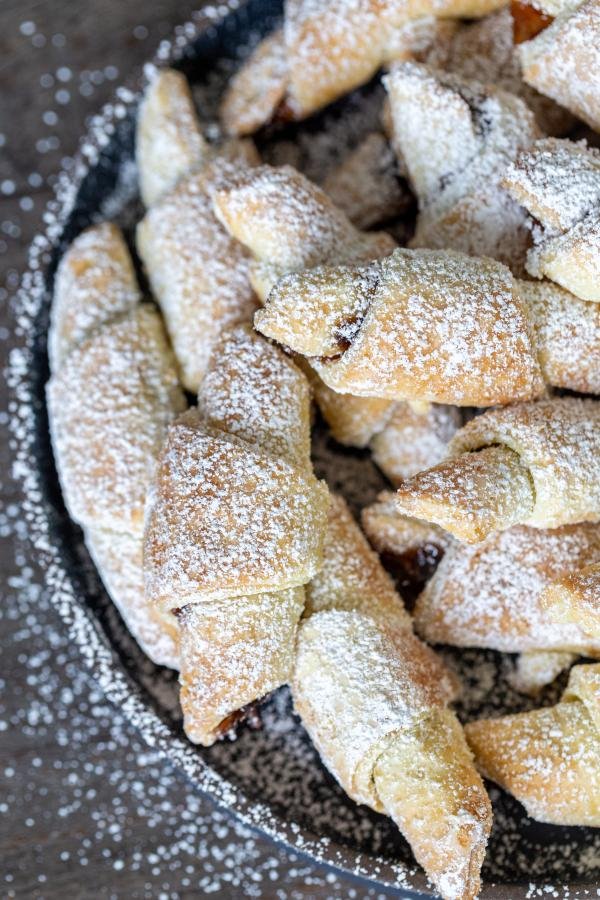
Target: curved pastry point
[[426, 782], [95, 282], [255, 92], [169, 142], [483, 485], [549, 759], [471, 495]]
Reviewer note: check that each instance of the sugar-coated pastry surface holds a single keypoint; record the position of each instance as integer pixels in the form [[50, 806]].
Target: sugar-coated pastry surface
[[169, 142], [226, 556], [558, 181], [491, 594], [564, 60], [327, 49], [232, 656], [110, 404], [456, 137], [575, 598], [549, 758], [198, 274], [94, 283], [397, 328]]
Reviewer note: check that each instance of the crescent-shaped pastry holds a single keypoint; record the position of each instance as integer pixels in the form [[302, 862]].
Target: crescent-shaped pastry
[[412, 550], [456, 137], [288, 223], [558, 181], [234, 528], [575, 598], [490, 594], [373, 697], [396, 328], [563, 61], [535, 464], [486, 51], [197, 273], [95, 282], [113, 391], [325, 50], [549, 759], [169, 141]]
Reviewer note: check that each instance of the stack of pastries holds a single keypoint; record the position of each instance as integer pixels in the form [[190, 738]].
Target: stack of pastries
[[466, 359]]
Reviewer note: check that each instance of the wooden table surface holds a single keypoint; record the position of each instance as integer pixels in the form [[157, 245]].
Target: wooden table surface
[[86, 809]]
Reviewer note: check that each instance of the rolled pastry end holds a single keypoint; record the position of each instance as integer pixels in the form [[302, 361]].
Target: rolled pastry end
[[427, 783], [318, 312], [547, 759], [233, 653], [471, 495], [169, 141]]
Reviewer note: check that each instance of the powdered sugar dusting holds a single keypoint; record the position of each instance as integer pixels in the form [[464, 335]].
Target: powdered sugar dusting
[[245, 768]]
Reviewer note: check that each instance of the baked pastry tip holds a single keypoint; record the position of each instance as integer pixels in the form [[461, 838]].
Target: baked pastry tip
[[373, 699], [549, 759], [532, 463]]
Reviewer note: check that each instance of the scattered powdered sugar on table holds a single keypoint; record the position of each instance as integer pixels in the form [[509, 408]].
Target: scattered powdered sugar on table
[[272, 778]]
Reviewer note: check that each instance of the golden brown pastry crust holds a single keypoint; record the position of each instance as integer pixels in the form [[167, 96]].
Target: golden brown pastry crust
[[456, 137], [110, 404], [575, 598], [564, 60], [558, 181], [169, 142], [532, 463], [490, 594], [234, 529], [113, 391], [413, 439], [118, 556], [549, 759], [95, 282], [229, 519], [327, 49], [396, 328], [567, 335], [232, 654], [559, 442], [198, 274], [372, 697], [289, 223]]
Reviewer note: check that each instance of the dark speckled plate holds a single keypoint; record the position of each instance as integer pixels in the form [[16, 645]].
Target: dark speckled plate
[[272, 778]]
